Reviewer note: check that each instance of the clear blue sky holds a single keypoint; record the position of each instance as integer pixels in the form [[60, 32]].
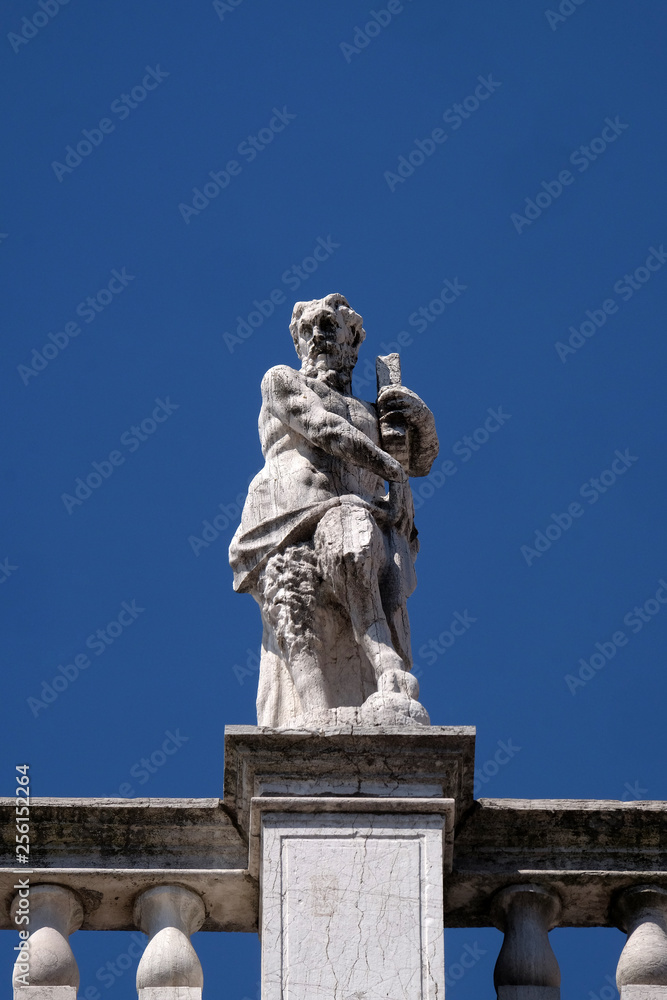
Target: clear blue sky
[[540, 199]]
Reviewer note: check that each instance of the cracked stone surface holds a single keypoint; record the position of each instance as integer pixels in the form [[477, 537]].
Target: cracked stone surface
[[352, 907]]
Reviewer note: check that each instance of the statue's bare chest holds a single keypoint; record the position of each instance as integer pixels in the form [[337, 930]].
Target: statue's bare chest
[[360, 414]]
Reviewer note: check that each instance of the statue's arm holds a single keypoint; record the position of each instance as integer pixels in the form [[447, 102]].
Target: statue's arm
[[288, 397]]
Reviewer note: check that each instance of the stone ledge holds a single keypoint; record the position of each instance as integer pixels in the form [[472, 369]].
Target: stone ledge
[[230, 897], [356, 805], [585, 850], [125, 833], [434, 762], [108, 850]]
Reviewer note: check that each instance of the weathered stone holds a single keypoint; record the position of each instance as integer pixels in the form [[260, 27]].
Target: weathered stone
[[170, 993], [435, 762], [355, 900], [169, 914], [643, 992], [326, 553], [54, 913], [125, 833], [642, 912], [45, 993], [108, 894], [325, 805], [585, 851], [526, 913], [109, 850]]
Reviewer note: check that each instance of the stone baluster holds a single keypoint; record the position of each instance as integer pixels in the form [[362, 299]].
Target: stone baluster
[[642, 968], [47, 969], [526, 968], [169, 968]]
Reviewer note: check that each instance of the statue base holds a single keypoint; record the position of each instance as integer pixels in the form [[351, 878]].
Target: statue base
[[350, 828], [381, 709]]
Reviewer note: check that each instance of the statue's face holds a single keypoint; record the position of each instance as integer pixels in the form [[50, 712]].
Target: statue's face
[[324, 340]]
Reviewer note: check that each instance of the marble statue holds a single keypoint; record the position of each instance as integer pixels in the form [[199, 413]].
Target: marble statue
[[325, 550]]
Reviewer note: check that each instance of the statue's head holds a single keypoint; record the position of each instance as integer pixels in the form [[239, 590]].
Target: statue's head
[[327, 334]]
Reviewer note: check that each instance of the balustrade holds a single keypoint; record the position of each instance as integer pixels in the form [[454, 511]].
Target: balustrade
[[642, 968], [526, 968], [45, 968], [169, 968]]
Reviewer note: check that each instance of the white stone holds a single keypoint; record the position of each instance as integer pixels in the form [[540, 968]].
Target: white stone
[[169, 914], [635, 992], [352, 906], [170, 993], [526, 913], [45, 993], [642, 912], [55, 912], [326, 552], [316, 786]]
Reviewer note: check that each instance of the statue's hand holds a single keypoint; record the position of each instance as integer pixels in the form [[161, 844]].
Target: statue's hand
[[398, 408], [394, 400], [407, 428]]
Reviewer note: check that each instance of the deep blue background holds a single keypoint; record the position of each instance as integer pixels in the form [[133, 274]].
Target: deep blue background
[[163, 336]]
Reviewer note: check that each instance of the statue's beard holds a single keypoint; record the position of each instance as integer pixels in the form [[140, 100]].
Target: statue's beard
[[334, 365]]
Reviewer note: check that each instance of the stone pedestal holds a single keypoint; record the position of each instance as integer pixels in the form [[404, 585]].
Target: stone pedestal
[[351, 898], [349, 833]]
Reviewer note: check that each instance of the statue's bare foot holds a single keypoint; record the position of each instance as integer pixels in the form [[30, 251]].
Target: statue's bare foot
[[395, 702], [398, 682]]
